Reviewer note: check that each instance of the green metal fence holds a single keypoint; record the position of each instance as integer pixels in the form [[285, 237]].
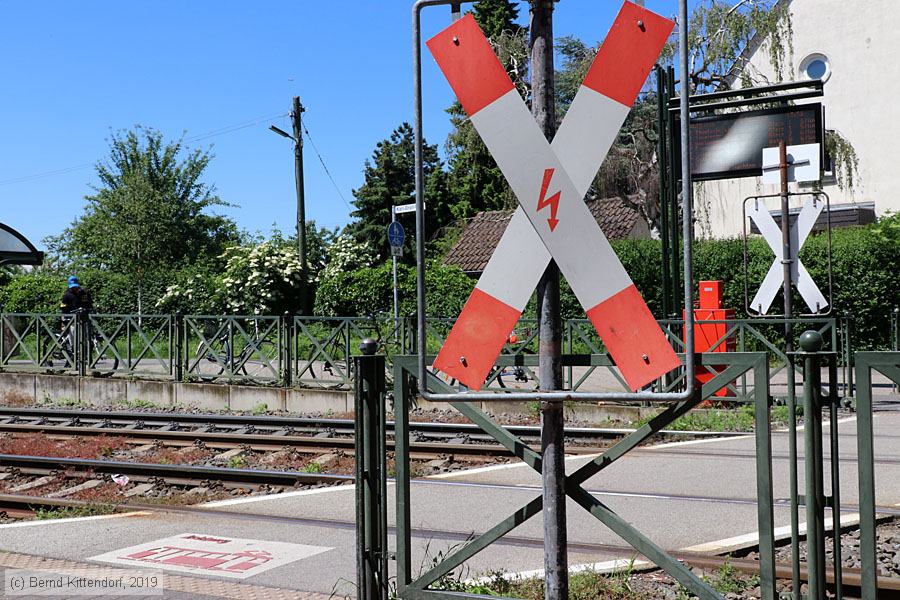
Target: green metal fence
[[316, 351], [867, 363], [728, 366]]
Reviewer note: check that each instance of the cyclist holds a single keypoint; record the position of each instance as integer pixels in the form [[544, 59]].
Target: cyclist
[[75, 298]]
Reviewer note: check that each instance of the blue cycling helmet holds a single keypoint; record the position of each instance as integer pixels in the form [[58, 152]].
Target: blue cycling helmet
[[73, 282]]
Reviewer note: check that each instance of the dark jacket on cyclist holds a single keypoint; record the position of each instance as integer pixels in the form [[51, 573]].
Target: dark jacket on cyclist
[[75, 298]]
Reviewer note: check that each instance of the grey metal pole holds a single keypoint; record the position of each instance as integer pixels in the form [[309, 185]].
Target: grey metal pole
[[687, 192], [786, 260], [553, 471], [394, 265], [296, 112]]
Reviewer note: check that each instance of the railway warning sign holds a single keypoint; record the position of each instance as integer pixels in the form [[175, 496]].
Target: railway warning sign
[[550, 182]]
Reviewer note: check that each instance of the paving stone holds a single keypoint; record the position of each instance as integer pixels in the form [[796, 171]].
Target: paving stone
[[139, 490], [228, 454], [87, 485], [33, 484]]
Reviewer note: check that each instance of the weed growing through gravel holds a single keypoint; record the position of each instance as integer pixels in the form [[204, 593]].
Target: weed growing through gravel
[[313, 467], [739, 418], [236, 462], [260, 409], [139, 403]]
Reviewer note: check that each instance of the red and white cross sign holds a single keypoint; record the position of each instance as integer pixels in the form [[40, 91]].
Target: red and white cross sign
[[550, 182]]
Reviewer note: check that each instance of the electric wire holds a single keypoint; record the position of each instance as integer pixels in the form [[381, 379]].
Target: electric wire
[[203, 136], [327, 172]]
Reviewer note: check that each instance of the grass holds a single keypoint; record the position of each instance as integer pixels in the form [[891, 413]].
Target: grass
[[313, 467], [583, 585], [739, 418], [138, 403], [69, 512], [260, 409]]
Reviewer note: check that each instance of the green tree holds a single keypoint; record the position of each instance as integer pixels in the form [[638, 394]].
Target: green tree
[[148, 214], [390, 180], [475, 182]]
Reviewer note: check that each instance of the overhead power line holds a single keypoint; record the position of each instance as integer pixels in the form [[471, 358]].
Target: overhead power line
[[197, 138], [327, 172]]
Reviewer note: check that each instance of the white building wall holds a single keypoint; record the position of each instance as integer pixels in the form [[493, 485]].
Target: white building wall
[[862, 101]]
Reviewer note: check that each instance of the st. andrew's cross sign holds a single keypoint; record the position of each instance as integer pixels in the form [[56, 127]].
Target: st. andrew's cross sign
[[15, 249], [550, 182]]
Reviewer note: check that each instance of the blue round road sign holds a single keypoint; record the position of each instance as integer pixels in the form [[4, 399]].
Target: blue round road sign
[[396, 235]]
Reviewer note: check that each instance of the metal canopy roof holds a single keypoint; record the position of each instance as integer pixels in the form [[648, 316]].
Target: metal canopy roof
[[16, 250]]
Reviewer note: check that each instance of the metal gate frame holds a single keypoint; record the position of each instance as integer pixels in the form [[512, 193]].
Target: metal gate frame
[[888, 364], [732, 365]]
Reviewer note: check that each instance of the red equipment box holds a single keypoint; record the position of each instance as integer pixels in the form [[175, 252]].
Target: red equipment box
[[709, 308]]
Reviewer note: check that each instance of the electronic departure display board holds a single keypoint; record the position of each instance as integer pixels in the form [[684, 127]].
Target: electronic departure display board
[[728, 146]]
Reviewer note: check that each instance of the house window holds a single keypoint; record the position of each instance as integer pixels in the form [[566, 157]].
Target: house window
[[815, 66]]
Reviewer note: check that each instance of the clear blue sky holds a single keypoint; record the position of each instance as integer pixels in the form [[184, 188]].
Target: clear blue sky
[[72, 72]]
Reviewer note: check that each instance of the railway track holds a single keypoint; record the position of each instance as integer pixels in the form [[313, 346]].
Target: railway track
[[174, 474]]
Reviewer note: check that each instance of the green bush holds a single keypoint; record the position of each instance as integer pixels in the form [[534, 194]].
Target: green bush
[[33, 292], [363, 292]]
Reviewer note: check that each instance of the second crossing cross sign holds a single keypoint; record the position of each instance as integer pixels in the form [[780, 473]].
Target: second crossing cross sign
[[550, 182]]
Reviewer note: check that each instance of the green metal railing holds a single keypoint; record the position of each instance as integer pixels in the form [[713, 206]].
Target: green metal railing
[[314, 352], [728, 366], [867, 363]]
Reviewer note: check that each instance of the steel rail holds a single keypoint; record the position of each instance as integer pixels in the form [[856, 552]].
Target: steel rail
[[276, 423], [174, 471]]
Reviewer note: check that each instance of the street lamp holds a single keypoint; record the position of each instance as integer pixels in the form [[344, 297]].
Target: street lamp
[[296, 111]]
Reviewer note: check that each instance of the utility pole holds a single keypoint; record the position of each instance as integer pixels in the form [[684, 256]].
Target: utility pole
[[553, 472], [296, 113]]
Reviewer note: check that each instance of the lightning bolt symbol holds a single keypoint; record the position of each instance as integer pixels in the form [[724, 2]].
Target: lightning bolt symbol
[[552, 201]]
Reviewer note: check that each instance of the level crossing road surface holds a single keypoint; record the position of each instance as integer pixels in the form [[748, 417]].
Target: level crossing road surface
[[688, 495]]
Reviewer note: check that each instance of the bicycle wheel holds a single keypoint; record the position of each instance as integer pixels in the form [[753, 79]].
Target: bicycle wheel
[[259, 361], [211, 358], [104, 360]]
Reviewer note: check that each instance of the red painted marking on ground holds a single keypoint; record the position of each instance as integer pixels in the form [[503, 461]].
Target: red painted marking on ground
[[468, 62], [628, 53], [477, 339], [202, 559], [630, 333], [552, 201]]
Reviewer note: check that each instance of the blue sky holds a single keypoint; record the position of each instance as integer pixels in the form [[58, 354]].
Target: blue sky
[[221, 72]]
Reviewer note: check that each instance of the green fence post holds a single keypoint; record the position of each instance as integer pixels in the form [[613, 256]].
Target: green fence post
[[286, 348], [371, 474], [81, 352], [179, 346]]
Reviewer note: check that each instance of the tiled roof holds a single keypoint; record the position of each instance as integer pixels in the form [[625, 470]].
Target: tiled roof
[[480, 237]]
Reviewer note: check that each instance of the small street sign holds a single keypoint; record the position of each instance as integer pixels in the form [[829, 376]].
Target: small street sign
[[395, 233], [550, 182], [405, 208], [397, 251]]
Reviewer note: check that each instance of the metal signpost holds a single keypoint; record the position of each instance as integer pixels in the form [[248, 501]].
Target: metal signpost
[[550, 180], [396, 238]]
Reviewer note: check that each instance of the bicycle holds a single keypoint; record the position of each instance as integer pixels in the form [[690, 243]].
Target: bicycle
[[102, 359], [254, 360]]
